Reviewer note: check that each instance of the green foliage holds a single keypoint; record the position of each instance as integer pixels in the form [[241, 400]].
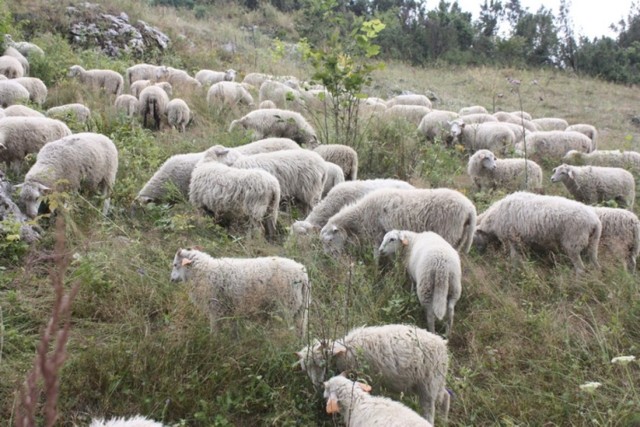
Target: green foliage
[[12, 247], [53, 67]]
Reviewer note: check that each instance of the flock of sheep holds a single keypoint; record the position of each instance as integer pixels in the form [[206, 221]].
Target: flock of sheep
[[247, 186]]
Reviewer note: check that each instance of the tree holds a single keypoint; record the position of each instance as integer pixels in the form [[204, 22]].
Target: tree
[[567, 44], [540, 36]]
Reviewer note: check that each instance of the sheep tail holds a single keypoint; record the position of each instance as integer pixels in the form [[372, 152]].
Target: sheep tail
[[440, 292], [468, 229]]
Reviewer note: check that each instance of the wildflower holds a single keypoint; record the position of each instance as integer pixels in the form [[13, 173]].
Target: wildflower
[[590, 387], [623, 360]]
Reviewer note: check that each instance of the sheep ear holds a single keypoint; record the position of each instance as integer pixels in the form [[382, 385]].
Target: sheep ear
[[570, 173], [481, 156], [404, 241], [365, 387], [332, 404], [221, 151], [338, 349], [44, 188], [186, 261]]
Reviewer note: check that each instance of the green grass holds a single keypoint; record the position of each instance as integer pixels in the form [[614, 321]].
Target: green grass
[[526, 334]]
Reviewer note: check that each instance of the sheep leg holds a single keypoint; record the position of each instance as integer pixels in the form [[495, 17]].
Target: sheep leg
[[427, 402], [631, 263], [431, 317], [574, 256], [449, 315]]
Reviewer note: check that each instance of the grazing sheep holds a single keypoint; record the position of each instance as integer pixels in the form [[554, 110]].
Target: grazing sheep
[[78, 113], [178, 114], [477, 118], [10, 211], [360, 409], [108, 80], [410, 99], [20, 136], [223, 287], [474, 109], [280, 94], [267, 104], [11, 67], [275, 122], [404, 358], [435, 125], [343, 156], [153, 106], [256, 79], [495, 137], [522, 115], [136, 421], [174, 172], [444, 211], [229, 193], [18, 110], [145, 72], [136, 87], [12, 93], [179, 79], [335, 176], [82, 160], [413, 114], [551, 222], [435, 271], [516, 120], [301, 173], [342, 195], [267, 145], [550, 123], [209, 77], [553, 145], [127, 104], [10, 51], [25, 48], [597, 184], [620, 235], [629, 160], [489, 173], [588, 130], [36, 88], [228, 94]]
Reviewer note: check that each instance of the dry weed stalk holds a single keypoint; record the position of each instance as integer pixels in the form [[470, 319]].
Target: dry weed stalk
[[47, 364]]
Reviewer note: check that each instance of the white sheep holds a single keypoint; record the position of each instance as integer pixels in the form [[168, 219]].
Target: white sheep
[[474, 109], [36, 88], [412, 114], [551, 222], [233, 194], [335, 176], [223, 287], [209, 77], [128, 104], [477, 118], [18, 110], [553, 145], [145, 72], [256, 79], [228, 94], [178, 114], [20, 136], [343, 156], [267, 104], [25, 48], [267, 145], [76, 112], [410, 99], [629, 160], [516, 120], [620, 235], [360, 409], [493, 136], [108, 80], [522, 114], [282, 95], [136, 87], [588, 130], [12, 93], [550, 123], [404, 358], [11, 67], [10, 211], [179, 79], [442, 210], [435, 271], [301, 173], [10, 51], [135, 421], [79, 161], [342, 195], [275, 122], [435, 126], [153, 106], [490, 173], [597, 184]]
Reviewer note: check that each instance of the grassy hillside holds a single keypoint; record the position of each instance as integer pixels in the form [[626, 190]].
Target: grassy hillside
[[526, 335]]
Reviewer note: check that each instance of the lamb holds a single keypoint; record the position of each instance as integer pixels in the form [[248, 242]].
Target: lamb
[[36, 88], [229, 193], [447, 212], [597, 184], [12, 93], [108, 80], [145, 72], [550, 123], [489, 173], [359, 409], [136, 421], [209, 77], [11, 67], [620, 234], [25, 48], [404, 358], [434, 267], [153, 106], [342, 195], [18, 110], [83, 160], [490, 136], [301, 173], [178, 114], [275, 122], [553, 145], [343, 156], [335, 176], [435, 125], [551, 222], [588, 130], [413, 114], [474, 109], [281, 94], [76, 112], [228, 94], [128, 104], [20, 136], [410, 99], [10, 51], [223, 287], [629, 160]]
